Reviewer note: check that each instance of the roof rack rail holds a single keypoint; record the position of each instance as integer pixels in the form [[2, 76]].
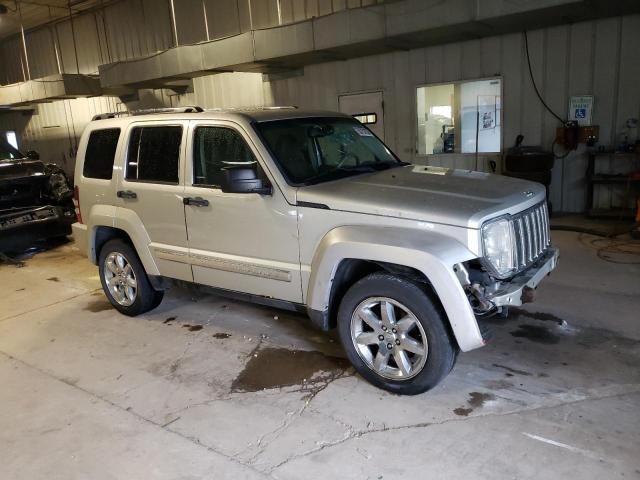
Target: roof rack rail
[[187, 109], [104, 116], [244, 109], [149, 111]]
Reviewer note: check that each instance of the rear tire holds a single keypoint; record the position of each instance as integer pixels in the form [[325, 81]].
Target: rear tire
[[124, 280], [394, 335]]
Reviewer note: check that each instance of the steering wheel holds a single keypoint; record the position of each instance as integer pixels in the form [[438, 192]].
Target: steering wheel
[[346, 156]]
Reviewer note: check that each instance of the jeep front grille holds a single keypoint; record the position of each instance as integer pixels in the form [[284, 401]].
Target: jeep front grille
[[532, 237]]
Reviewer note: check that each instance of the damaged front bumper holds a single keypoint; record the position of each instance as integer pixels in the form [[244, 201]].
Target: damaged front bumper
[[520, 288], [21, 226]]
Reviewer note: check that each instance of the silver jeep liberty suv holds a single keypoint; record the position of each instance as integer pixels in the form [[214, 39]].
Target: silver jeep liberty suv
[[310, 211]]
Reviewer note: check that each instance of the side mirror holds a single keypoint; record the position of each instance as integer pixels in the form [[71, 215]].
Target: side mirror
[[33, 155], [243, 179]]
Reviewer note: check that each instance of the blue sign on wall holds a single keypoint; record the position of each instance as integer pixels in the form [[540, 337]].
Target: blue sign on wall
[[581, 109]]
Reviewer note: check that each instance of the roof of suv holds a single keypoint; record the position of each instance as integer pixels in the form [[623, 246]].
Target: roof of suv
[[258, 114]]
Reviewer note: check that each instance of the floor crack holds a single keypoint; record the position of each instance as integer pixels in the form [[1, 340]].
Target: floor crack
[[164, 427], [363, 433]]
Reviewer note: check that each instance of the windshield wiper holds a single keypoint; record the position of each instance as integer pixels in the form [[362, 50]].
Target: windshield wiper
[[345, 171], [339, 172]]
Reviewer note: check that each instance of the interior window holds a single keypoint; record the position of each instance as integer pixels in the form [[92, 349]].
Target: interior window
[[461, 117], [214, 149], [101, 150], [154, 154]]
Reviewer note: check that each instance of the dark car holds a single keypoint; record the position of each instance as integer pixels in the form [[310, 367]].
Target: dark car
[[35, 200]]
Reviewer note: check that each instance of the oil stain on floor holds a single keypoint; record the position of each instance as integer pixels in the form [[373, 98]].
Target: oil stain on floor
[[98, 306], [192, 328], [476, 400], [221, 335], [536, 333], [542, 316], [279, 367]]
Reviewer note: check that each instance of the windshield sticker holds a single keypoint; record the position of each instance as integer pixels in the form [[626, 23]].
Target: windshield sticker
[[363, 132]]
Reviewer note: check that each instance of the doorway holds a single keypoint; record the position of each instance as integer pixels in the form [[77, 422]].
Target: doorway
[[368, 108]]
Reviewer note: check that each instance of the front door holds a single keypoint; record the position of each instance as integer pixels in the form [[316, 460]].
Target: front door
[[368, 108], [243, 242], [150, 194]]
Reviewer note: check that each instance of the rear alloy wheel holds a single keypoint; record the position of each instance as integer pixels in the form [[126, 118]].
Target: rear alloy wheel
[[124, 279], [394, 335], [120, 279]]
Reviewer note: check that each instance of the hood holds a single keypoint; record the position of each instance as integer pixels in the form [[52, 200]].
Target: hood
[[19, 168], [462, 198]]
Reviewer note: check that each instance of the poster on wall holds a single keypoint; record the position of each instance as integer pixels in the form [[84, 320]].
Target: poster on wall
[[581, 109], [487, 112]]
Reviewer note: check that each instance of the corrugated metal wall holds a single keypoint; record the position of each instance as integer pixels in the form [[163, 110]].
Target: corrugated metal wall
[[54, 129], [598, 57], [135, 28], [130, 29]]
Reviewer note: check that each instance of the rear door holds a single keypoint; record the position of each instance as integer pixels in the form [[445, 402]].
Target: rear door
[[151, 190], [244, 242]]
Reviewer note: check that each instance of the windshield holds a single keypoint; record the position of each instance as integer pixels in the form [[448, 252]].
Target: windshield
[[7, 152], [314, 150]]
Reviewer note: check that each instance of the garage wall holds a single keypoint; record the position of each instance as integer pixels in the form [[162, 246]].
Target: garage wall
[[600, 58], [54, 129], [136, 28]]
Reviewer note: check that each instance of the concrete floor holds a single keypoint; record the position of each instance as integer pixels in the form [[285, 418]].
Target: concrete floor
[[204, 387]]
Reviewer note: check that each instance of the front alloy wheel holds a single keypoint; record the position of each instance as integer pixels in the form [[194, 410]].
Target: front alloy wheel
[[389, 338], [394, 333]]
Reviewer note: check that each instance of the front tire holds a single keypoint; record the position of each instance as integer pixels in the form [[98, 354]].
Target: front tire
[[394, 335], [125, 281]]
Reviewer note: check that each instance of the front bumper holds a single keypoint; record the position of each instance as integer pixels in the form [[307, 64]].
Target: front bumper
[[510, 293]]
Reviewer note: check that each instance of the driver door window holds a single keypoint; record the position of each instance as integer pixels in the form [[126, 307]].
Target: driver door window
[[215, 148]]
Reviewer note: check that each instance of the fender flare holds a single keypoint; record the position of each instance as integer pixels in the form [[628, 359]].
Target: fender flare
[[99, 216], [431, 253], [130, 223]]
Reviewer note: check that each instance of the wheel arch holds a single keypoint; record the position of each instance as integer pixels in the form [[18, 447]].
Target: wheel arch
[[127, 230], [347, 254]]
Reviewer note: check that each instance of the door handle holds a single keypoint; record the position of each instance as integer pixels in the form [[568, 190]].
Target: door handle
[[126, 194], [195, 201]]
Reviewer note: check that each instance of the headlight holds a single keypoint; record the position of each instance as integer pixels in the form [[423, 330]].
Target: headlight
[[498, 246]]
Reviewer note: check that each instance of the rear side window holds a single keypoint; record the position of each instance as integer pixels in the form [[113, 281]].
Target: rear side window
[[101, 150], [215, 148], [154, 154]]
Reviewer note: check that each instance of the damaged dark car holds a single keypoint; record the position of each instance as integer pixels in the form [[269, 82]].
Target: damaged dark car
[[36, 200]]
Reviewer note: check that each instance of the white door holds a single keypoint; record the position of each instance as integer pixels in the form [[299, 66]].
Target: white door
[[245, 242], [366, 107]]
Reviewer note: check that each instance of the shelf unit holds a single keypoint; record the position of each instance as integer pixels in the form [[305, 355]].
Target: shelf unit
[[620, 179]]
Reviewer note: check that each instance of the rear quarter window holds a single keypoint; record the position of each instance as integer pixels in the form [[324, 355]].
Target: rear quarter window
[[101, 151]]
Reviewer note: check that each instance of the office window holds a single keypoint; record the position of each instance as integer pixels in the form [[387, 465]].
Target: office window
[[461, 117], [101, 150], [214, 149], [366, 118], [12, 139], [154, 154]]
